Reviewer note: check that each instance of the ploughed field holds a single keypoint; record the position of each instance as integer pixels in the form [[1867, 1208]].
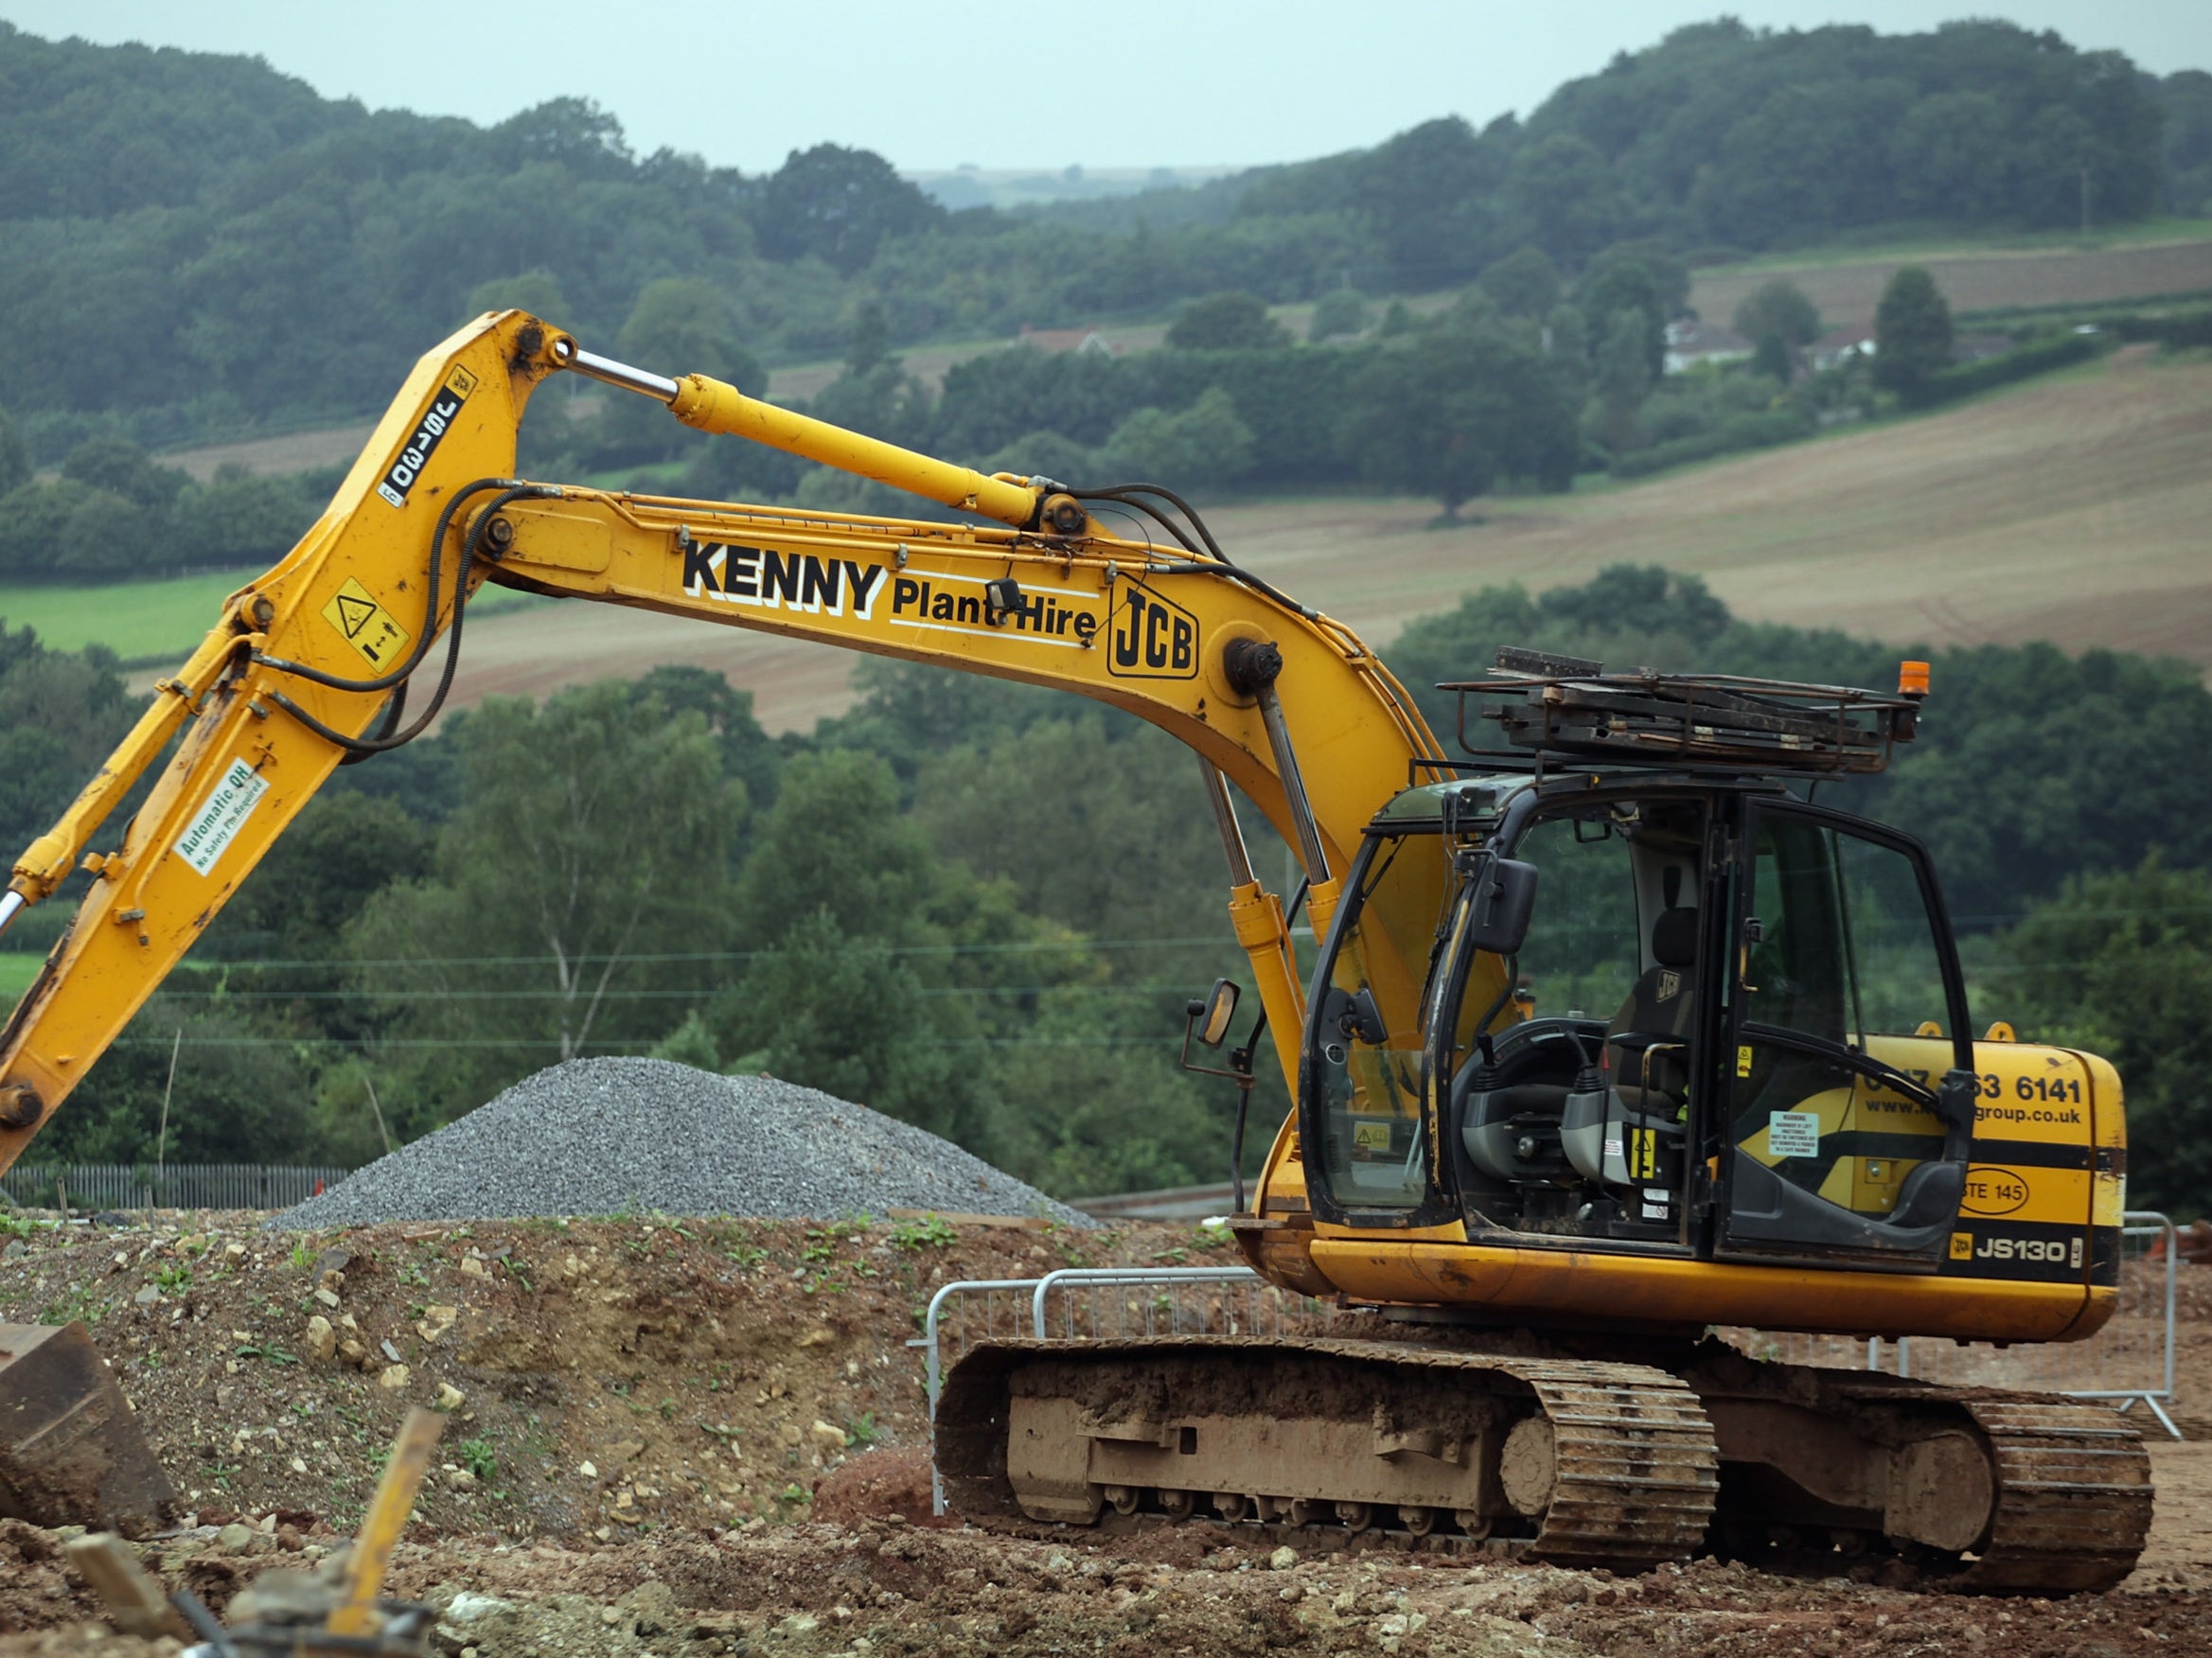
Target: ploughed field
[[2070, 509], [707, 1438]]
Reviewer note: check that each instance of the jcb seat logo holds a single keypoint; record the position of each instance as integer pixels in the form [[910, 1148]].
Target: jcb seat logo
[[1152, 638]]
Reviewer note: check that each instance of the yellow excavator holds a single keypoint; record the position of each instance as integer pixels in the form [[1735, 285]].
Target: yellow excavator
[[1611, 1036]]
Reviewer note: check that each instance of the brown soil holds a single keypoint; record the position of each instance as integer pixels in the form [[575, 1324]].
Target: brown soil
[[1978, 280], [266, 457], [689, 1365], [617, 1378]]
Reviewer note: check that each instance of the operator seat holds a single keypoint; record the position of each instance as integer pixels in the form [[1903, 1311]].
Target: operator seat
[[1515, 1133], [1631, 1129], [1646, 1045]]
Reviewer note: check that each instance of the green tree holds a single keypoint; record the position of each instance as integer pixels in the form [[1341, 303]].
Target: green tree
[[1778, 307], [879, 974], [1337, 313], [679, 325], [280, 934], [2121, 965], [883, 402], [1525, 283], [588, 855], [1639, 277], [237, 520], [1622, 377], [1771, 358], [343, 849], [749, 755], [75, 529], [123, 468], [1227, 322], [1045, 455], [1137, 791], [1452, 409], [235, 1097], [60, 715], [848, 1015], [839, 205], [1565, 197], [835, 844], [1912, 331], [869, 345], [536, 292], [1206, 444], [1948, 155], [14, 464]]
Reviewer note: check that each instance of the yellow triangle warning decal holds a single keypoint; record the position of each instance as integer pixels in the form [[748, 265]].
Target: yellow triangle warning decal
[[374, 633], [354, 614]]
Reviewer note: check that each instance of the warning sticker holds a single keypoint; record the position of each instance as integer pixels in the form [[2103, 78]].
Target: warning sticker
[[225, 813], [367, 625], [1372, 1136], [1793, 1134]]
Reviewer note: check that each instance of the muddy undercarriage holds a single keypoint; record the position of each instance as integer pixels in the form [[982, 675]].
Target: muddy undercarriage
[[1577, 1460]]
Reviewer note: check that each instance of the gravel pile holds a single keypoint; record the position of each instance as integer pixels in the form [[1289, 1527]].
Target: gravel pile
[[595, 1136]]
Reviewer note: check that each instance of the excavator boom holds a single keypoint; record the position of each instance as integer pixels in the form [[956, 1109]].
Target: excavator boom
[[307, 658]]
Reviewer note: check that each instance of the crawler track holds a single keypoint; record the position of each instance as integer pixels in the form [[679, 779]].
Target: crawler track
[[2073, 1496], [1637, 1467], [1628, 1464], [1354, 1444]]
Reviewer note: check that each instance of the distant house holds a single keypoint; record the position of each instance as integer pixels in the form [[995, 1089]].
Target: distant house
[[1853, 340], [1088, 341], [1692, 340]]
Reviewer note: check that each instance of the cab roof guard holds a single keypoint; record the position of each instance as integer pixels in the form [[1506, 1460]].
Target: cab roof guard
[[1568, 710]]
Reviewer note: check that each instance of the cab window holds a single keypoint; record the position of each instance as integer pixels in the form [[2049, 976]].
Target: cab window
[[1837, 944]]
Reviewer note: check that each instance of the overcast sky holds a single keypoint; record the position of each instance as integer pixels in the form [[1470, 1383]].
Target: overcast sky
[[935, 83]]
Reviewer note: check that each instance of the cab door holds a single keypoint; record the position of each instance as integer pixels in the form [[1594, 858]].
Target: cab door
[[1849, 1103]]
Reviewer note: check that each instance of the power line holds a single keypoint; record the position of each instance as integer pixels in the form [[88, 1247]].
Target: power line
[[616, 1045], [1074, 945], [677, 995]]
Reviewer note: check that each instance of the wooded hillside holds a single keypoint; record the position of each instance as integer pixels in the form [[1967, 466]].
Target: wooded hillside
[[205, 246]]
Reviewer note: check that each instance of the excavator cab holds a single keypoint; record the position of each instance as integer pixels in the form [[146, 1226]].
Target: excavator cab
[[1669, 1006]]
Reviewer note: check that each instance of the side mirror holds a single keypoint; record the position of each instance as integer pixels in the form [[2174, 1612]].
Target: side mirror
[[1504, 899], [1212, 1014]]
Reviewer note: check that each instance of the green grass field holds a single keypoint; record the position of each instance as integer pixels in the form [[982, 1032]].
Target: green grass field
[[152, 622], [135, 620], [16, 972]]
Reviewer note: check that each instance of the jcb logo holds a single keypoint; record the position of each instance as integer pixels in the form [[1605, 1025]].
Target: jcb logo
[[1153, 639]]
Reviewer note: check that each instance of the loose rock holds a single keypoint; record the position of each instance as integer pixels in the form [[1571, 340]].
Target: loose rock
[[667, 1137]]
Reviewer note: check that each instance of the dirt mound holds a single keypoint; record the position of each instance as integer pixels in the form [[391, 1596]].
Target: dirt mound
[[879, 1484], [614, 1377]]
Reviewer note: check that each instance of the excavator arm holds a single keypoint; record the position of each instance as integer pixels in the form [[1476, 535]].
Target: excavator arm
[[313, 663]]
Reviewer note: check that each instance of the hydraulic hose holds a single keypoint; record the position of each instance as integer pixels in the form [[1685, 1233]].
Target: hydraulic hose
[[362, 746]]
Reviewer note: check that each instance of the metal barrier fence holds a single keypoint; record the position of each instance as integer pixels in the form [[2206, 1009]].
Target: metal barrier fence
[[120, 1186], [2131, 1359]]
